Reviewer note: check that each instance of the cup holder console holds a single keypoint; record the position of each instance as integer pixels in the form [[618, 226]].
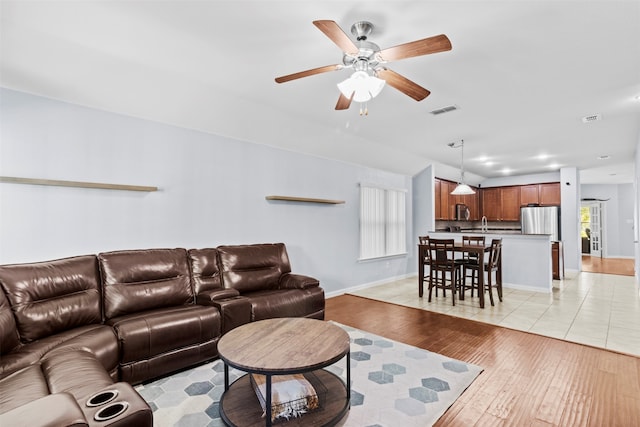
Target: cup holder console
[[102, 397], [111, 411]]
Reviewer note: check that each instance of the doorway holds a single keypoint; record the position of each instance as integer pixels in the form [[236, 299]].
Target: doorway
[[591, 230]]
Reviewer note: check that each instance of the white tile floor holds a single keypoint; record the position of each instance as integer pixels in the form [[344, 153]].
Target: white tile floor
[[602, 310]]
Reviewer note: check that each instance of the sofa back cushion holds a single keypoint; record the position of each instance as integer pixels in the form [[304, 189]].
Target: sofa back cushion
[[204, 270], [52, 296], [249, 268], [8, 329], [140, 280]]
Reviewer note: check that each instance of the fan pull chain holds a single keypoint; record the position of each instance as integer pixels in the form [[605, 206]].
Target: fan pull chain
[[365, 111]]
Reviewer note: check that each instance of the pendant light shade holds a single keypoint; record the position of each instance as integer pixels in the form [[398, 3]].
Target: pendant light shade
[[461, 189]]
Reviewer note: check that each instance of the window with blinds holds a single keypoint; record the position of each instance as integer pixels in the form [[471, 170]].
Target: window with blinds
[[382, 222]]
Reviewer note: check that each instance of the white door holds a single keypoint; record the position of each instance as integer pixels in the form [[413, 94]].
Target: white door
[[595, 214]]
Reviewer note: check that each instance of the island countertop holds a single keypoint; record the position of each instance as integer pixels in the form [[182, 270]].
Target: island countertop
[[526, 258]]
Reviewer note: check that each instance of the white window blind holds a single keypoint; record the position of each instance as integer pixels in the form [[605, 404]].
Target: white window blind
[[382, 222]]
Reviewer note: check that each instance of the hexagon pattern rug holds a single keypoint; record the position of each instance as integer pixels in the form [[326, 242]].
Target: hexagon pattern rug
[[393, 384]]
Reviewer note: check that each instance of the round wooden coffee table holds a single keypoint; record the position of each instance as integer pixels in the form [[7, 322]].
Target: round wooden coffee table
[[281, 347]]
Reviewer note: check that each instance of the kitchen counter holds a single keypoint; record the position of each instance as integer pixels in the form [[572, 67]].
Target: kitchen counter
[[526, 258]]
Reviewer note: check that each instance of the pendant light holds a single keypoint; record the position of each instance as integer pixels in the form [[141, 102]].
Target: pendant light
[[462, 189]]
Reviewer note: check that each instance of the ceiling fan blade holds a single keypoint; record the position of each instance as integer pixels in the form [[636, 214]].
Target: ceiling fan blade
[[307, 73], [343, 102], [403, 84], [426, 46], [335, 33]]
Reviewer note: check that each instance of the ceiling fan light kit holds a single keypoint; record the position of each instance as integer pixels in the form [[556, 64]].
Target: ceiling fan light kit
[[361, 87], [367, 59]]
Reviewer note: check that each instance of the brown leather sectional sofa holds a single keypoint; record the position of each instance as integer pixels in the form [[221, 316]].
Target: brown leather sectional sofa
[[76, 333]]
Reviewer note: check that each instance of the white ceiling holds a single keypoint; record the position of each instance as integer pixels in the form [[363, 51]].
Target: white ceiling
[[523, 74]]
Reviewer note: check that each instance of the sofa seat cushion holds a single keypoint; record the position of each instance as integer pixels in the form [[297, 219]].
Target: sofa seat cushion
[[76, 372], [98, 339], [147, 334], [285, 303], [53, 410], [22, 387]]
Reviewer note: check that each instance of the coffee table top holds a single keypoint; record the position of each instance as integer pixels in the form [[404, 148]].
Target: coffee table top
[[283, 345]]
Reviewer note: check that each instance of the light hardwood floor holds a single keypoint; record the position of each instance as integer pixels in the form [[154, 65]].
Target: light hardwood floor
[[621, 266], [529, 380]]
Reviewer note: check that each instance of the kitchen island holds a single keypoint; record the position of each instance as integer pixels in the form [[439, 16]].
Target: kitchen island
[[526, 258]]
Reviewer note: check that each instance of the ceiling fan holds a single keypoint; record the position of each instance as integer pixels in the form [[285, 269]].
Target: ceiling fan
[[368, 61]]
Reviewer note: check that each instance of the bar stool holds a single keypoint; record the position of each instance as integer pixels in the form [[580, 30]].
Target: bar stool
[[424, 240], [444, 271], [492, 267], [470, 264]]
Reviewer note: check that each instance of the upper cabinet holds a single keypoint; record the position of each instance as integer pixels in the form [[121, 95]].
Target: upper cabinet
[[501, 203], [446, 202], [496, 203], [529, 194], [550, 194], [510, 203], [540, 194], [492, 203]]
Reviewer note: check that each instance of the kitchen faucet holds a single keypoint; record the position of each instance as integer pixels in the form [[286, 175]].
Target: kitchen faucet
[[485, 226]]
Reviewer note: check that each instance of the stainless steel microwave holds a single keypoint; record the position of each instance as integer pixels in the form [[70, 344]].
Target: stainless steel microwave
[[462, 212]]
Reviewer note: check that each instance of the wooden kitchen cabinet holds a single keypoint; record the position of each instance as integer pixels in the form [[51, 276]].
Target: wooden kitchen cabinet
[[547, 194], [550, 194], [472, 201], [557, 260], [501, 203], [529, 194], [492, 204], [510, 203], [445, 208]]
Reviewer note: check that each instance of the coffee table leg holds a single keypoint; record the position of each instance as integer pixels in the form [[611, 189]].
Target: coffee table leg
[[226, 377], [268, 400], [349, 378]]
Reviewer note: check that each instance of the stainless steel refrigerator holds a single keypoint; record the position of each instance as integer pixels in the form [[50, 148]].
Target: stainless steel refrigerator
[[541, 220]]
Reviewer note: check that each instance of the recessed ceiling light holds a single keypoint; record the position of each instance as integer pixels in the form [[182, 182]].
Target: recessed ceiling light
[[543, 156], [489, 163], [604, 157], [506, 171], [554, 166], [637, 97]]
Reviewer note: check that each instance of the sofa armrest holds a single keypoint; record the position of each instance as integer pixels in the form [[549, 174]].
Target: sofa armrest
[[297, 281], [207, 297], [53, 410]]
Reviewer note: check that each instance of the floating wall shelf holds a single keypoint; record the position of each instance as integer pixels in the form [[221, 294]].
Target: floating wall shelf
[[81, 184], [304, 199]]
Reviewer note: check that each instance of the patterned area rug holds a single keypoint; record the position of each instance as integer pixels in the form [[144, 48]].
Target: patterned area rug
[[393, 384]]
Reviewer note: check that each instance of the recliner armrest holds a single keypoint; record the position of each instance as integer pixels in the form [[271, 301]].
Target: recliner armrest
[[207, 297], [53, 410], [297, 281]]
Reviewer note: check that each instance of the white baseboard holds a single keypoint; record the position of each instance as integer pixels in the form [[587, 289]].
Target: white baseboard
[[526, 288]]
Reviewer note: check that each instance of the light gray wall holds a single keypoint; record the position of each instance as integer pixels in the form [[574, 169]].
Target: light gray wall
[[423, 207], [636, 209], [618, 216], [212, 192], [570, 218]]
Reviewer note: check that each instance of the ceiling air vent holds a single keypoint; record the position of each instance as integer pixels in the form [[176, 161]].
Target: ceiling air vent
[[591, 118], [444, 110]]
